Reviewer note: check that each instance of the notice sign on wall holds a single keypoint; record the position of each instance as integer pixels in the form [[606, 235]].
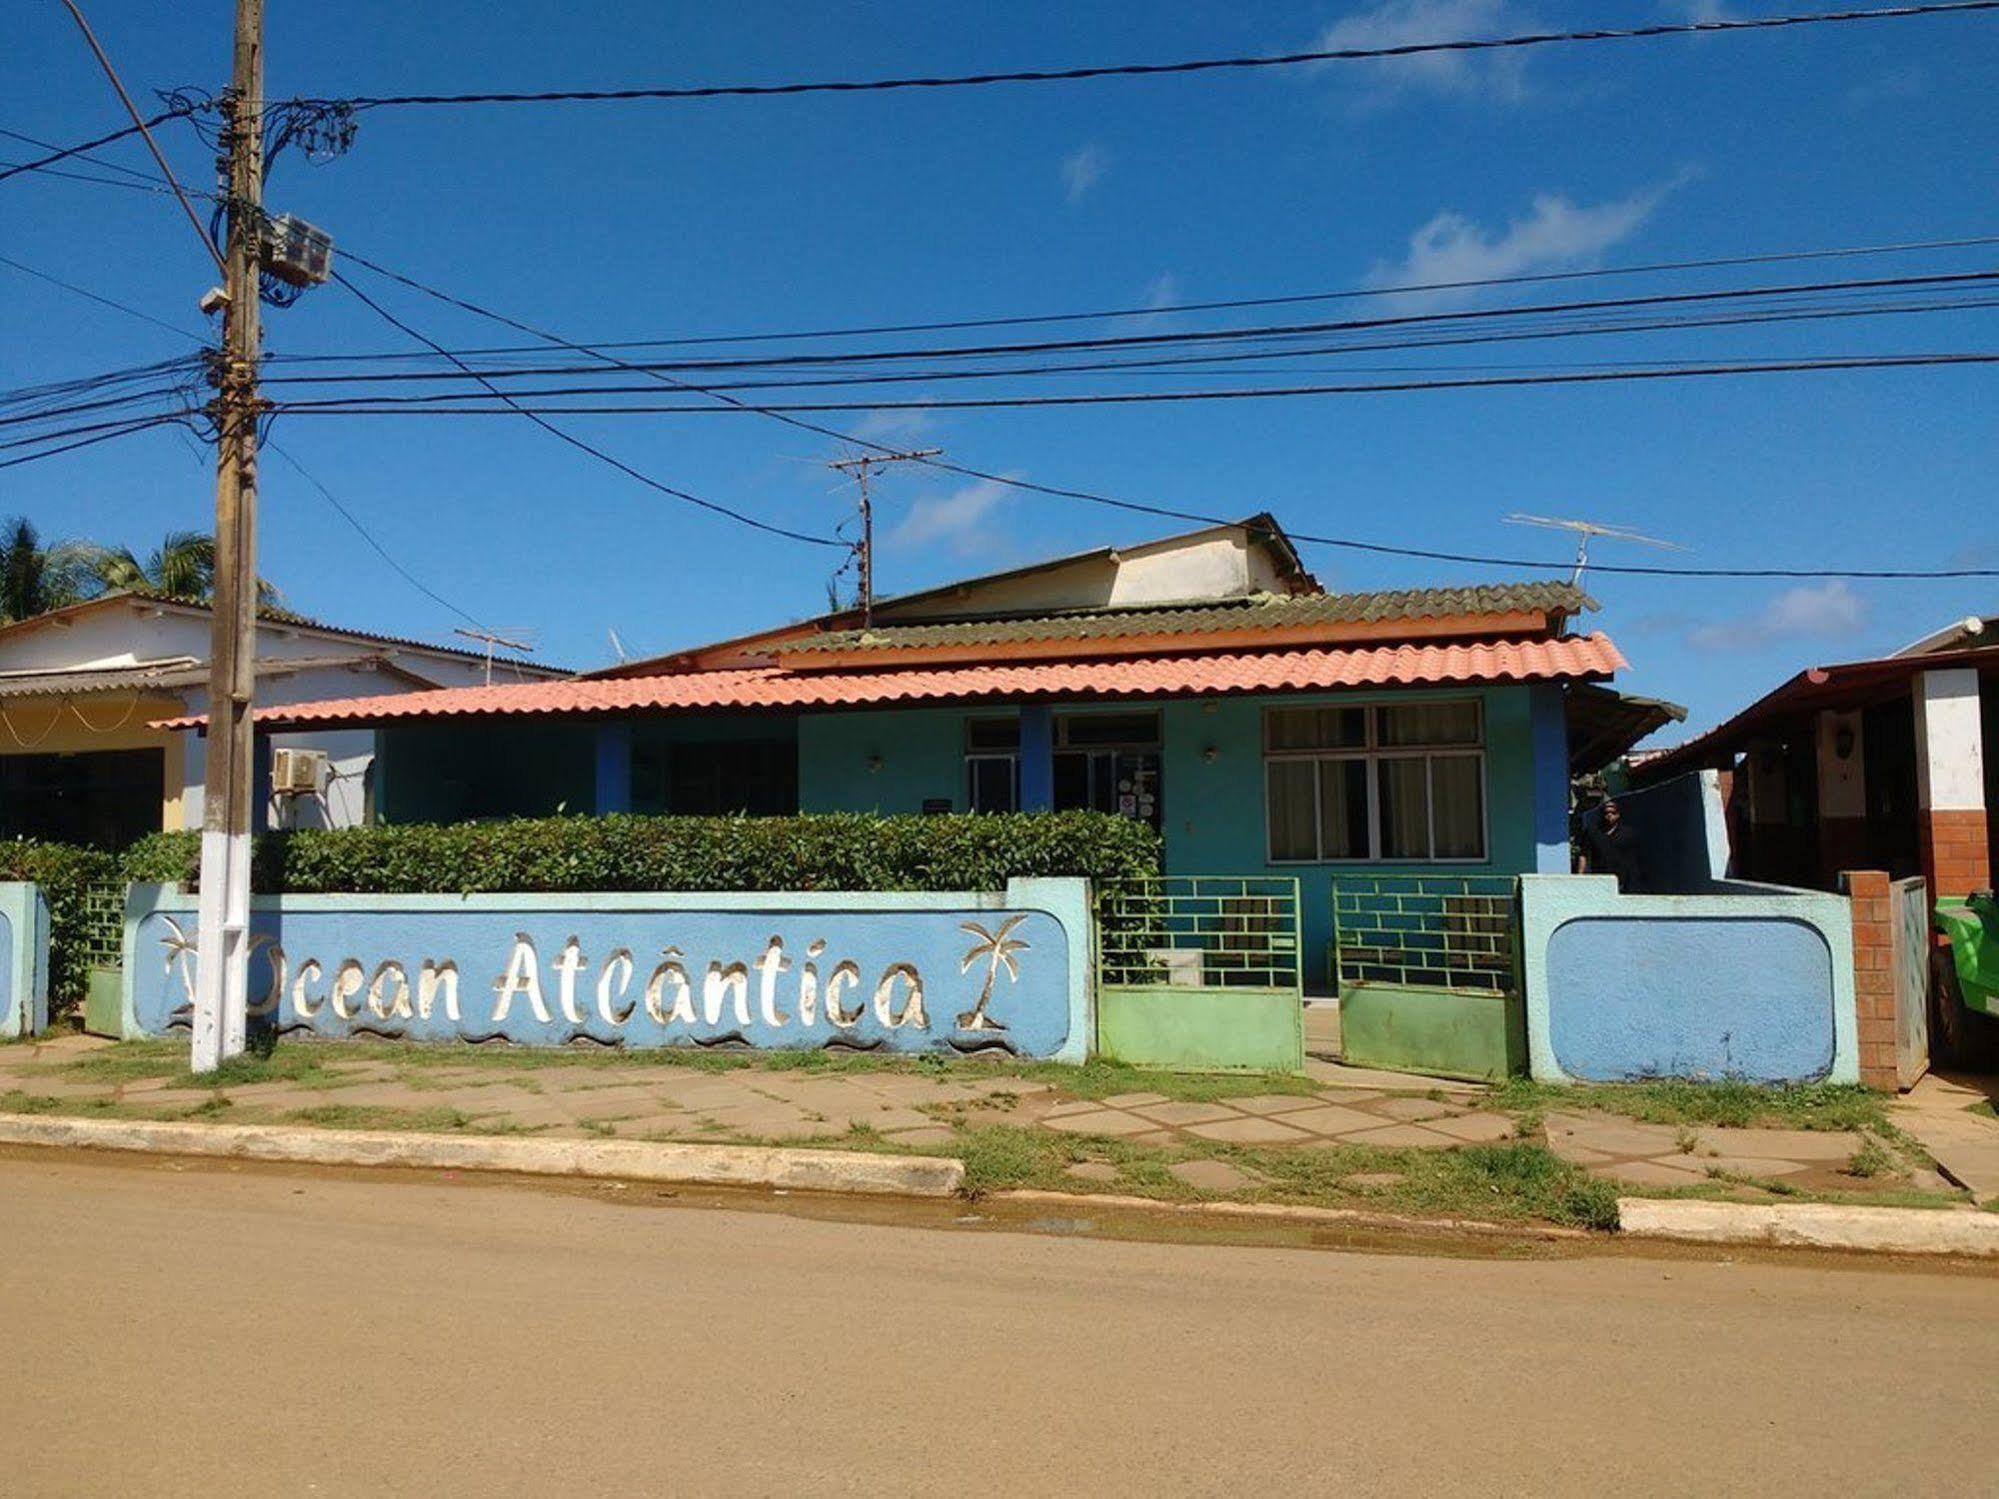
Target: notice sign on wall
[[892, 973]]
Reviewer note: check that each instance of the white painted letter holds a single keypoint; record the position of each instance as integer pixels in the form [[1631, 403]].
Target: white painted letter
[[387, 1003], [912, 1010], [433, 980], [769, 966], [730, 984], [268, 1005], [523, 976], [566, 965], [808, 983], [669, 972], [838, 982], [617, 973], [348, 980], [303, 1004]]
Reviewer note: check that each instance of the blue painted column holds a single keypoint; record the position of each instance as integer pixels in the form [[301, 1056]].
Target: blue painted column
[[1551, 779], [1037, 758], [614, 767]]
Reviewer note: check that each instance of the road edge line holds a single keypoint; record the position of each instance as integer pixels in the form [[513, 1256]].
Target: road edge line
[[784, 1167], [1812, 1225]]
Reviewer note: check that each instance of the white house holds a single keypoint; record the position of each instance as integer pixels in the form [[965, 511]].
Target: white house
[[81, 687]]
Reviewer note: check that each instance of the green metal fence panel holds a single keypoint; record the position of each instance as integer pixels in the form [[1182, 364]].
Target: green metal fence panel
[[1432, 931], [1199, 931]]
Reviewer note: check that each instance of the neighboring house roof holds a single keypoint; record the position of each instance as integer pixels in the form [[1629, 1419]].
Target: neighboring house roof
[[744, 650], [1569, 658], [1958, 635], [178, 674], [1256, 612], [1604, 723], [273, 616], [1848, 684]]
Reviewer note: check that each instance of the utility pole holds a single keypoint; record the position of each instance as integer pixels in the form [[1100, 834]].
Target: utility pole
[[222, 969], [862, 469]]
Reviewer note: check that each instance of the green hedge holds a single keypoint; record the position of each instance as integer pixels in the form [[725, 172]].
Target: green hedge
[[837, 851], [86, 909]]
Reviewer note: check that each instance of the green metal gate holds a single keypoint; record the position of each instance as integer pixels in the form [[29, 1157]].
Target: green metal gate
[[1200, 973]]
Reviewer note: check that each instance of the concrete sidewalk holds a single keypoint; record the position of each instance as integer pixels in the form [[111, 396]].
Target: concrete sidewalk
[[1938, 1113], [559, 1097]]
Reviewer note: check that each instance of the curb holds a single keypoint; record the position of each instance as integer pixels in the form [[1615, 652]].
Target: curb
[[629, 1160], [1289, 1213], [1812, 1225]]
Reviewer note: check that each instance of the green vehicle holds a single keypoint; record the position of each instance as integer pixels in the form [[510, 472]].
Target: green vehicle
[[1972, 925]]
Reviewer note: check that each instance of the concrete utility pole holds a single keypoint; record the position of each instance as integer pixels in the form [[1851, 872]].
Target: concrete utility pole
[[862, 470], [222, 968]]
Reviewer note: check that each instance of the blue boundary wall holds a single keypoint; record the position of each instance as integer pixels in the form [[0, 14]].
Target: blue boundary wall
[[908, 972], [1752, 982], [24, 960]]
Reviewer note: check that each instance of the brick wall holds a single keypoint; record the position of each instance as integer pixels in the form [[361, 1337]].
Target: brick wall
[[1873, 974], [1956, 855]]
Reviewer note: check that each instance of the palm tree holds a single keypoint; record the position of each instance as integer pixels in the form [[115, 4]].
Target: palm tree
[[182, 566], [35, 578], [998, 949]]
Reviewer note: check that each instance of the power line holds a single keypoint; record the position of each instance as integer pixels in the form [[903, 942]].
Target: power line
[[35, 140], [100, 432], [1176, 308], [146, 134], [582, 446], [1210, 336], [368, 536], [1197, 65], [28, 270], [1184, 364], [1151, 397], [1113, 502], [118, 135]]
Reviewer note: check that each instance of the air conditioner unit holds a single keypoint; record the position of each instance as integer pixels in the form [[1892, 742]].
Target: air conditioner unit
[[297, 772]]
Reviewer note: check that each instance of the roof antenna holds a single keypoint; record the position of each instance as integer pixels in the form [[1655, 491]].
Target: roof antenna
[[513, 640], [618, 646], [1585, 529]]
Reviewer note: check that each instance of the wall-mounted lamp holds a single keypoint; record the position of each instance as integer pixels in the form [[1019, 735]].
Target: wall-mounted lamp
[[874, 765], [1843, 741], [1210, 753]]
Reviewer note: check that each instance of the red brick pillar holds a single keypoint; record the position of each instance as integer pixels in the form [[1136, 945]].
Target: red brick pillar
[[1873, 974]]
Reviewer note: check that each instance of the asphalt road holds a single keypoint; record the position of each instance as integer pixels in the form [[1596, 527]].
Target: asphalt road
[[217, 1331]]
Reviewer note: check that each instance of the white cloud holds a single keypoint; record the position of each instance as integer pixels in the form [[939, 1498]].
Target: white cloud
[[1082, 169], [1555, 234], [894, 426], [956, 519], [1400, 23], [1806, 612]]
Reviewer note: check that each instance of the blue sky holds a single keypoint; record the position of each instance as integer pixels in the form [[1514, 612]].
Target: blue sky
[[734, 216]]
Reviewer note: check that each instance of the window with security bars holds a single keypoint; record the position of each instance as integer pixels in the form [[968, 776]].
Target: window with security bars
[[1391, 782]]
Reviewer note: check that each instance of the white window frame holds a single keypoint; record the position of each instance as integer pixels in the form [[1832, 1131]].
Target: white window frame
[[1372, 752]]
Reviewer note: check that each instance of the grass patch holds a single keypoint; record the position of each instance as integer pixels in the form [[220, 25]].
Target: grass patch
[[1869, 1161], [377, 1116], [1817, 1106], [318, 1064], [1514, 1182]]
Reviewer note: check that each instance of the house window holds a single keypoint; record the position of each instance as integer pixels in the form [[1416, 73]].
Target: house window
[[1402, 782], [757, 777], [1104, 762]]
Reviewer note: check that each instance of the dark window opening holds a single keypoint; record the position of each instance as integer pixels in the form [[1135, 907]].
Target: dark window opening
[[102, 798]]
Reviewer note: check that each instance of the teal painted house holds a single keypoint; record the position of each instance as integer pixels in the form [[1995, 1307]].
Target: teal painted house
[[1203, 682]]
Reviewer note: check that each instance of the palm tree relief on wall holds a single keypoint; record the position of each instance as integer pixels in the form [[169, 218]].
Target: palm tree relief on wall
[[997, 949]]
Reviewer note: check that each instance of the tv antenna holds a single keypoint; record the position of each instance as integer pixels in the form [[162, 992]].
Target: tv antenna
[[1585, 531], [512, 639], [862, 469], [618, 646]]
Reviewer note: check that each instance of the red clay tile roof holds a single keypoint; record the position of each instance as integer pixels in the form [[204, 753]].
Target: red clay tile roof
[[1311, 670]]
